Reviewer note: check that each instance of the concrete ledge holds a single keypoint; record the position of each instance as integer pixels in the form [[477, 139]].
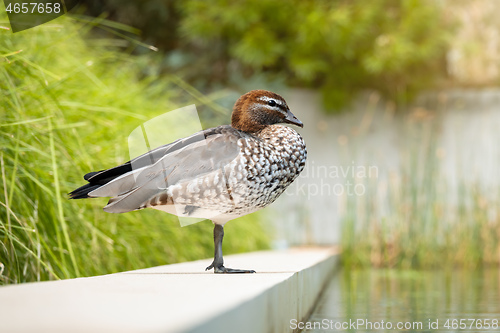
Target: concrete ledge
[[176, 298]]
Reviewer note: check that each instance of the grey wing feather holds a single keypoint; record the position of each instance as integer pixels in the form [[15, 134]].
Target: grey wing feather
[[136, 188]]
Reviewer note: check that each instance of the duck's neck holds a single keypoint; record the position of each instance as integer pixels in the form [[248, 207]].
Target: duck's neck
[[243, 122]]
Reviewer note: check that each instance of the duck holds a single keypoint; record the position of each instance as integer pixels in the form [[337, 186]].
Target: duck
[[219, 173]]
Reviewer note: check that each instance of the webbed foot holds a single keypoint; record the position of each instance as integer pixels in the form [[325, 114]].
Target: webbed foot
[[222, 269]]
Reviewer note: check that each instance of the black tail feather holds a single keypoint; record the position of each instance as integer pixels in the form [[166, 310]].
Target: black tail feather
[[98, 178], [83, 191], [91, 174], [105, 176]]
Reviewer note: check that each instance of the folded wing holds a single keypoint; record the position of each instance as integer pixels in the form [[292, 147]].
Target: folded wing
[[134, 183]]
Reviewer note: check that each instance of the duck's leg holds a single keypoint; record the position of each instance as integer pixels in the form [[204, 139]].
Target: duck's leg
[[218, 263]]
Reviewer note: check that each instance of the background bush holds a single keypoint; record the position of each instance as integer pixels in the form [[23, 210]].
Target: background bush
[[341, 47]]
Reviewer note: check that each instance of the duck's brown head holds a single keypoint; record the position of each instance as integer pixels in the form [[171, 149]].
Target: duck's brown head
[[259, 108]]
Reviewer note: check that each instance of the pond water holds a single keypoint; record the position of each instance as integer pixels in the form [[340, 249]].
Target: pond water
[[409, 301]]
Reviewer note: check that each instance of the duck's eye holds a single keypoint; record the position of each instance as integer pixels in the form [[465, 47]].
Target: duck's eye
[[271, 102]]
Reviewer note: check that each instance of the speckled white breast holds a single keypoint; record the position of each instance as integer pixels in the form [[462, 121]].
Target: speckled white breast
[[267, 163]]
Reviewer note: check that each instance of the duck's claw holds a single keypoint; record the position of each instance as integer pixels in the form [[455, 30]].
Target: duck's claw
[[222, 269]]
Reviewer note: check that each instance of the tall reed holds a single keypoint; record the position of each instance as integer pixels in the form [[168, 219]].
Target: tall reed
[[419, 215]]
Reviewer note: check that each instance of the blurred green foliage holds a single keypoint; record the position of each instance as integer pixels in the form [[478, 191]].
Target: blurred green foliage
[[67, 106], [340, 47]]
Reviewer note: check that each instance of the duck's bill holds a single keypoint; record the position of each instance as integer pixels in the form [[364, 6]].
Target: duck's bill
[[291, 119]]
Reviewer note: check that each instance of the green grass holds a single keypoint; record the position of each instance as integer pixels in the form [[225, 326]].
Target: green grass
[[426, 223], [67, 104]]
